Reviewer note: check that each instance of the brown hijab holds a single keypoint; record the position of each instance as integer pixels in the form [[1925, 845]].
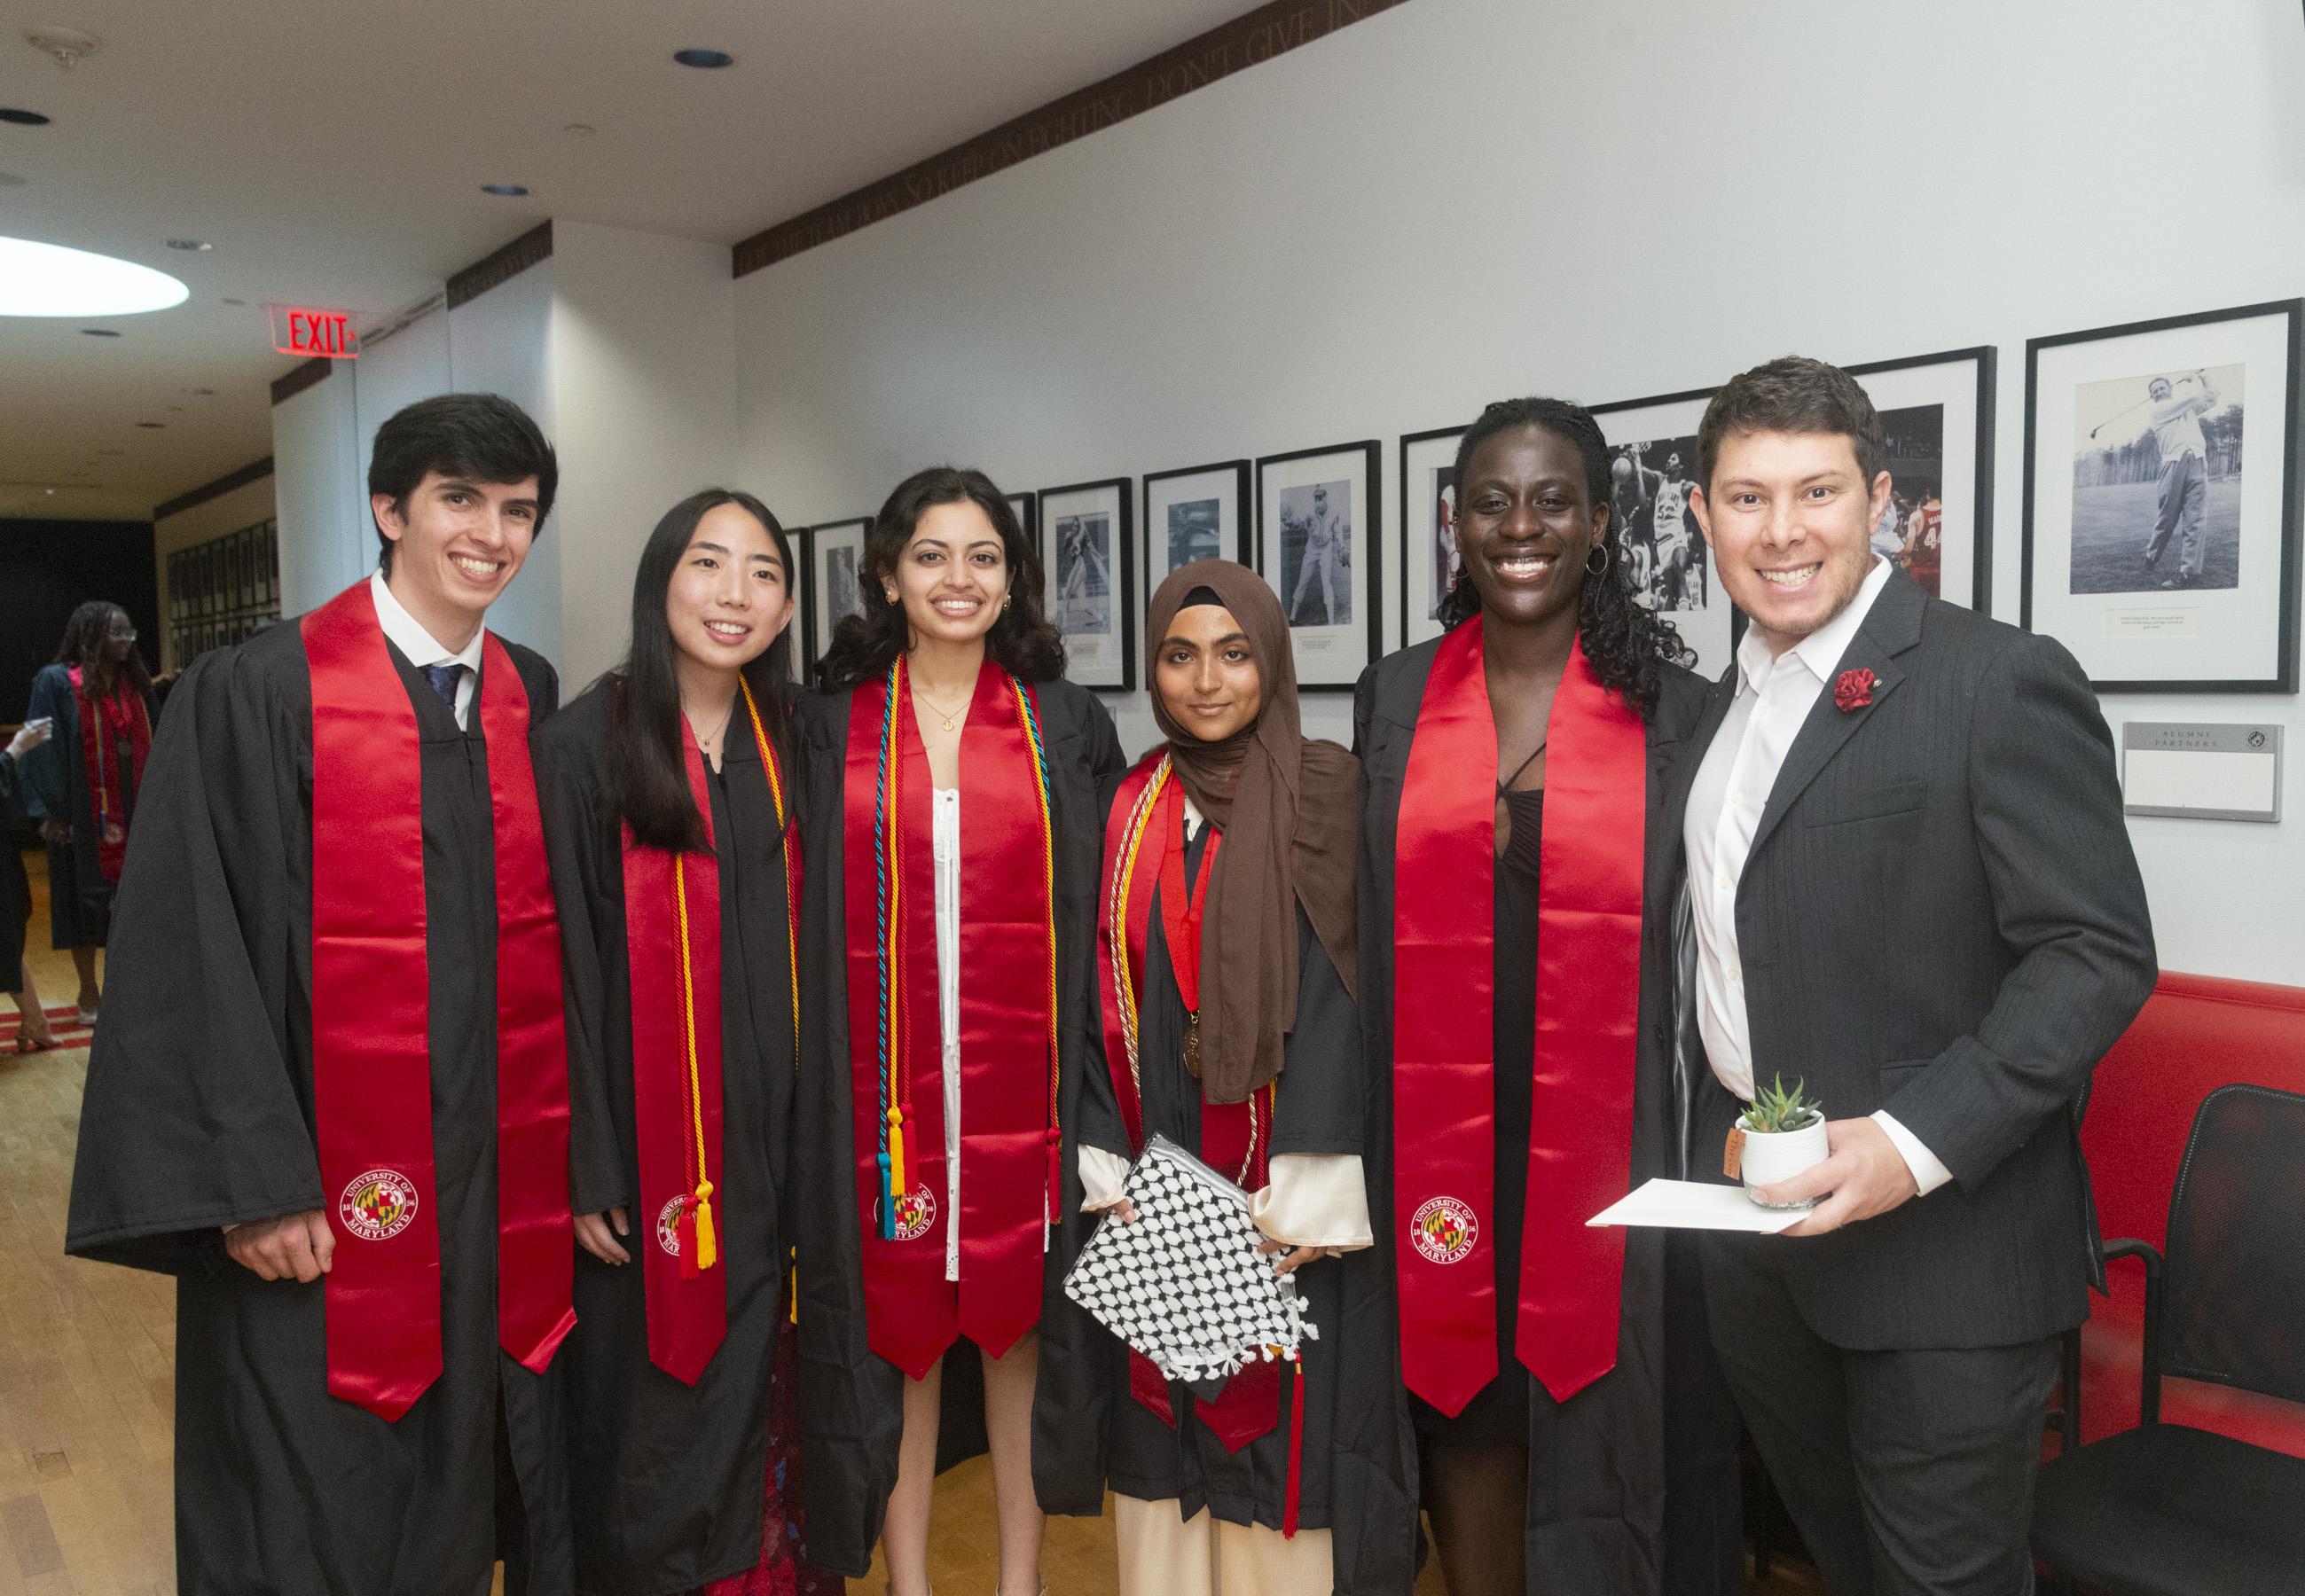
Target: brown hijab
[[1290, 811]]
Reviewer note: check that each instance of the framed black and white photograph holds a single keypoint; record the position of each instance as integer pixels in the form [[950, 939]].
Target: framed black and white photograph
[[1936, 425], [1317, 523], [1198, 514], [1428, 529], [2161, 517], [1652, 472], [1085, 547], [835, 580]]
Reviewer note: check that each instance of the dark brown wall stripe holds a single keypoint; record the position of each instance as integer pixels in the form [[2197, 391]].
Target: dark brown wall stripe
[[299, 378], [1261, 34], [254, 471], [530, 249]]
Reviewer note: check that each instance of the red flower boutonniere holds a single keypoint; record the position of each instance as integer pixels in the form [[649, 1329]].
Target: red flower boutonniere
[[1853, 691]]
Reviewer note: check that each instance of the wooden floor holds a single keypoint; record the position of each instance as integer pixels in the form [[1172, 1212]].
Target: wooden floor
[[86, 1385]]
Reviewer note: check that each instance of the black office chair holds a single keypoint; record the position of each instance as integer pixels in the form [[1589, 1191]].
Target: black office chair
[[2166, 1509]]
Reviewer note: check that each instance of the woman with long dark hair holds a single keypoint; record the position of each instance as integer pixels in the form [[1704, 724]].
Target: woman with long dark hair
[[669, 819], [33, 1033], [81, 786], [953, 835], [1570, 1431]]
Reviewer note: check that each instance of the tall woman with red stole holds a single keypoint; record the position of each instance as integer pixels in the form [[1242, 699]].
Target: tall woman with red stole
[[1516, 979], [947, 936], [82, 785], [668, 812]]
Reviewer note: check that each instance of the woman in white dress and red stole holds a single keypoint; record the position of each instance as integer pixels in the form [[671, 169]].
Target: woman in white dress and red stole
[[1226, 961], [951, 785], [1571, 1434]]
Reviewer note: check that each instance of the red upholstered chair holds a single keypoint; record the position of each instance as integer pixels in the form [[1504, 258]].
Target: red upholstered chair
[[2196, 1033]]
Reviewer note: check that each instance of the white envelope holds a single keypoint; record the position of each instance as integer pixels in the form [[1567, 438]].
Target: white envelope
[[1697, 1205]]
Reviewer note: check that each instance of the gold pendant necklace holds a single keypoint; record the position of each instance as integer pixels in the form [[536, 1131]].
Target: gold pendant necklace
[[941, 713]]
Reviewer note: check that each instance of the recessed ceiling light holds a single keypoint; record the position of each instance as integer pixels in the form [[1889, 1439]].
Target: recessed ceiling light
[[152, 426], [191, 246], [582, 130], [235, 301], [9, 179], [201, 393], [509, 190], [22, 118], [704, 60], [98, 332], [37, 279]]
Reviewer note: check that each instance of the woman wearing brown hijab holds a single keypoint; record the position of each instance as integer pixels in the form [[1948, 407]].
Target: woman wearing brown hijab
[[1225, 957]]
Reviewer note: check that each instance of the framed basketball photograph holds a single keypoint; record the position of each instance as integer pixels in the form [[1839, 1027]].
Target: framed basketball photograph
[[1200, 513], [1317, 523], [1936, 430], [1428, 529], [835, 582], [1090, 593], [2161, 515], [1652, 471]]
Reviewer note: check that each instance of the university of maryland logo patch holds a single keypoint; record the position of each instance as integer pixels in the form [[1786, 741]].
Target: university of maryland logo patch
[[667, 1224], [378, 1205], [916, 1214], [1443, 1229]]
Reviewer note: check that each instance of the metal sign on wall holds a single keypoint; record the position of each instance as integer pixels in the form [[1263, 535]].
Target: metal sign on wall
[[2202, 770], [325, 334]]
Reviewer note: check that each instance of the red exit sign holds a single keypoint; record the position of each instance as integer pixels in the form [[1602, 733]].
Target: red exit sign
[[326, 334]]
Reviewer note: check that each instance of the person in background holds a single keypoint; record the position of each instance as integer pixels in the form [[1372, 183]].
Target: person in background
[[1225, 962], [669, 815], [952, 785], [2183, 495], [82, 785], [330, 1092], [33, 1034], [1572, 1432]]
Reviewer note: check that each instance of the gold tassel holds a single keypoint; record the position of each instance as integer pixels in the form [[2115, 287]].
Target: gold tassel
[[708, 1246], [897, 1188]]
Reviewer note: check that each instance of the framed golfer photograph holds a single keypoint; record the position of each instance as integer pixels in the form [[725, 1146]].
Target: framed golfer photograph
[[1936, 430], [1428, 529], [1651, 469], [1317, 522], [1090, 596], [835, 582], [1200, 513], [2161, 517]]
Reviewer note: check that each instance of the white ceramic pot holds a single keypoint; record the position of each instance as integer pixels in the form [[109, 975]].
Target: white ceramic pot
[[1772, 1156]]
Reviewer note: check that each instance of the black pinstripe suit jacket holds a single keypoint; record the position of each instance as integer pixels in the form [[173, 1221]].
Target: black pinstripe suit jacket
[[1941, 916]]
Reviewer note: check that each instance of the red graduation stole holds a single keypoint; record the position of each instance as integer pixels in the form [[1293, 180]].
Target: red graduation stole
[[371, 1056], [672, 940], [103, 725], [1009, 1022], [1587, 1011]]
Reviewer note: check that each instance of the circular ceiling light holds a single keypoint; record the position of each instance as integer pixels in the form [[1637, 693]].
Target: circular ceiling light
[[98, 332], [235, 301], [507, 190], [704, 60], [22, 118], [191, 246], [37, 279], [152, 426]]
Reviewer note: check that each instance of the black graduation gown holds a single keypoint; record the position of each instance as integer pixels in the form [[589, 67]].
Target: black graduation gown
[[1597, 1522], [851, 1401], [79, 899], [666, 1478], [198, 1114], [1318, 1110], [16, 887]]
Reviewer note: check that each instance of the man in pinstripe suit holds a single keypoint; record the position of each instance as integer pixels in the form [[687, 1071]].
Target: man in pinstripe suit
[[1911, 889]]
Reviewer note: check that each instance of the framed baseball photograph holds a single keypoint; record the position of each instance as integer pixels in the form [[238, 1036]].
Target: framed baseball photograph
[[835, 578], [1317, 523], [1428, 529], [1198, 514], [2161, 516], [1091, 595], [1652, 471], [1936, 426]]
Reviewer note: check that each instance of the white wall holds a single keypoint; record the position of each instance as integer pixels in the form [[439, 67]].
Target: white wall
[[500, 344], [316, 473], [1463, 199]]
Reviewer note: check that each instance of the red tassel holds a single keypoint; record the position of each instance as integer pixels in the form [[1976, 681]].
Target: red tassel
[[1056, 1174], [1296, 1452]]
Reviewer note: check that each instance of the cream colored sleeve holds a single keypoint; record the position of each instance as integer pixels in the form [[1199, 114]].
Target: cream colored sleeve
[[1313, 1200], [1100, 1174]]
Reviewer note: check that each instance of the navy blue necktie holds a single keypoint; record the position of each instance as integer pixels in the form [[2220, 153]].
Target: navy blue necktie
[[445, 679]]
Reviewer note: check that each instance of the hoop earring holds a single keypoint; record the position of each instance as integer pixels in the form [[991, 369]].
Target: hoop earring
[[1608, 558]]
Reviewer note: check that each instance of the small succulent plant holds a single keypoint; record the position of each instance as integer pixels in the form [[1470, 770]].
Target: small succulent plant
[[1775, 1109]]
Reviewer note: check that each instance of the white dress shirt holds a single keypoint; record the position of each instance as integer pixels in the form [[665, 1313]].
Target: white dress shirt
[[407, 634], [945, 845], [1773, 698]]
